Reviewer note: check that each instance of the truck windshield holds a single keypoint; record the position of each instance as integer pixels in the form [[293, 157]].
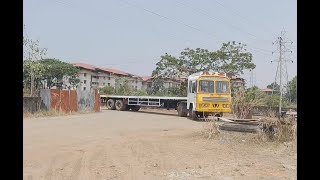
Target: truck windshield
[[206, 86], [222, 87]]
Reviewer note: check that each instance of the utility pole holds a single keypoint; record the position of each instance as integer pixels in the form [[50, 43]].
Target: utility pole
[[280, 62], [282, 66]]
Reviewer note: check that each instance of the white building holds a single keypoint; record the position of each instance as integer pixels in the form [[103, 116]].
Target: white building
[[94, 76]]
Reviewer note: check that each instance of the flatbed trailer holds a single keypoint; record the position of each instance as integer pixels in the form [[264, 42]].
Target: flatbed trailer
[[208, 93], [134, 103]]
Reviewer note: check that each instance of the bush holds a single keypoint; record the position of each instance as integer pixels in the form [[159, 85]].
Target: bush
[[107, 90]]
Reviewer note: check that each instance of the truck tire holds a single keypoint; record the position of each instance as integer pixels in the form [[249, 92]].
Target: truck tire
[[240, 128], [182, 110], [111, 104], [135, 108], [120, 106], [204, 115], [193, 114]]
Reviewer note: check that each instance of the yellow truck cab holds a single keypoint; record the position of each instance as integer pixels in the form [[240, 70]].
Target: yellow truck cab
[[208, 93]]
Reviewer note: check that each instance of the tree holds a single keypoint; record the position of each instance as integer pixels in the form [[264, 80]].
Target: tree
[[32, 70], [57, 71], [107, 90], [33, 73], [292, 90], [122, 86], [232, 58], [274, 101], [157, 86]]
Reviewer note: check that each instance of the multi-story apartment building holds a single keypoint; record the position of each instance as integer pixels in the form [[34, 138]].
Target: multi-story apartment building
[[95, 77]]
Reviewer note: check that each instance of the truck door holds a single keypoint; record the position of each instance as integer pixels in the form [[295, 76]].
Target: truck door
[[192, 91]]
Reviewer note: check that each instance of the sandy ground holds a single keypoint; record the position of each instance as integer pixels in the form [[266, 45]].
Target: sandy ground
[[138, 145]]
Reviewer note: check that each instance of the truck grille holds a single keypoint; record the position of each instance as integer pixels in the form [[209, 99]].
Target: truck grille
[[215, 99]]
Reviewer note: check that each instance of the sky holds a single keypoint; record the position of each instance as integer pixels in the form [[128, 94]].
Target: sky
[[131, 35]]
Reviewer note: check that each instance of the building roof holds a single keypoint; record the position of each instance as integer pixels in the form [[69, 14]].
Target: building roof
[[92, 67], [146, 78], [85, 66]]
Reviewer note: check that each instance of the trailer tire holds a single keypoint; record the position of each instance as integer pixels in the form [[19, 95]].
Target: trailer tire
[[135, 108], [120, 106], [111, 104]]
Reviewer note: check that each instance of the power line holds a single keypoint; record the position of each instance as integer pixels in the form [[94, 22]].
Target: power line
[[117, 20], [260, 50], [162, 16], [237, 14], [216, 19], [180, 22]]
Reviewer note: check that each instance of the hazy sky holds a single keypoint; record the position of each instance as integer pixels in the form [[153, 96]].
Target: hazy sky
[[131, 35]]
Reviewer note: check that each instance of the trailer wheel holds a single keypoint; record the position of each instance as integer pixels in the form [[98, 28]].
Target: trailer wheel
[[120, 106], [127, 108], [182, 110], [111, 104], [135, 108]]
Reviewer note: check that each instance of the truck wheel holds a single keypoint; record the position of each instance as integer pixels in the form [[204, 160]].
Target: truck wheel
[[182, 110], [193, 114], [203, 115], [135, 108], [120, 106], [111, 104]]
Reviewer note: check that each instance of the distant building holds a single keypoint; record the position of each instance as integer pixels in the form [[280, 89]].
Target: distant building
[[237, 81], [96, 77], [267, 91]]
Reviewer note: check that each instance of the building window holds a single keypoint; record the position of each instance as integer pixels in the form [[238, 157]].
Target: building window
[[85, 74], [104, 78], [84, 88], [136, 82], [97, 77], [108, 84], [108, 78], [84, 81], [104, 84], [136, 87]]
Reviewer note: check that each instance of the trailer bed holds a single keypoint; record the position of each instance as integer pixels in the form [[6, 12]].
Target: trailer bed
[[152, 101]]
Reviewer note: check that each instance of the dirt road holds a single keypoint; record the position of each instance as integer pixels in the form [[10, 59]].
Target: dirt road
[[137, 145]]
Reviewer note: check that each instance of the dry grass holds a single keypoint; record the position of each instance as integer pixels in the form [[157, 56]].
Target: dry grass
[[278, 130], [210, 128], [271, 113]]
